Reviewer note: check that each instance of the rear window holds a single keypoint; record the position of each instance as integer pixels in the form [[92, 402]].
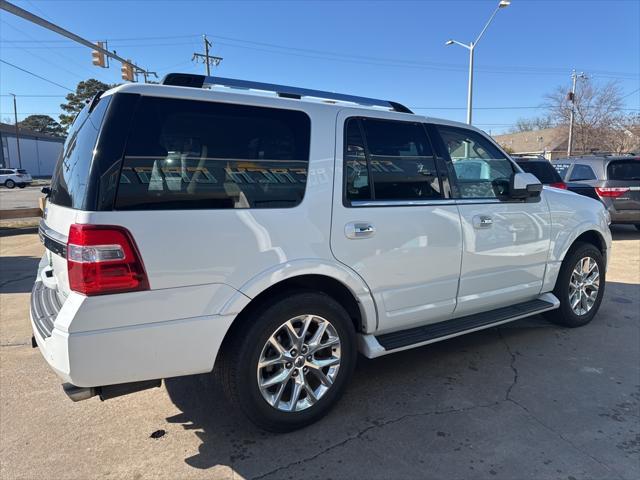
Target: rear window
[[543, 171], [624, 169], [70, 177], [185, 154]]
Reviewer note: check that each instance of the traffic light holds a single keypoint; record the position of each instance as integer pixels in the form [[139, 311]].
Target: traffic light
[[97, 57], [127, 71]]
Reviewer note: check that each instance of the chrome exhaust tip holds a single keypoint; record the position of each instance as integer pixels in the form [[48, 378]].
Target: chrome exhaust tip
[[78, 394]]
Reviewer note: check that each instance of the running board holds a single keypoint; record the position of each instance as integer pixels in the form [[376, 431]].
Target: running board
[[374, 346]]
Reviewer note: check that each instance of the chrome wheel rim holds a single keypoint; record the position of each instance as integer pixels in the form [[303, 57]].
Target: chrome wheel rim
[[584, 285], [299, 363]]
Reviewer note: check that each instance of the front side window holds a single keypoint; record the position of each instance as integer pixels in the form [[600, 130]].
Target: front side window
[[481, 170], [185, 154], [582, 172], [393, 161]]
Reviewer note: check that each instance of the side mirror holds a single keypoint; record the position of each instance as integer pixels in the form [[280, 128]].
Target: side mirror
[[524, 185]]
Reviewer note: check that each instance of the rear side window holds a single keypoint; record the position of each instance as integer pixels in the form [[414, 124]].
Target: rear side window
[[389, 160], [184, 154], [582, 172], [624, 170], [562, 168], [70, 177], [543, 171], [21, 171]]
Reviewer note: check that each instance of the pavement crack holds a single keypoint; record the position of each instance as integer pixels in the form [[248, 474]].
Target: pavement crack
[[516, 374], [508, 398], [375, 425]]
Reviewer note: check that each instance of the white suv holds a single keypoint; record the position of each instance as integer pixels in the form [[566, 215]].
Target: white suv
[[271, 236], [14, 177]]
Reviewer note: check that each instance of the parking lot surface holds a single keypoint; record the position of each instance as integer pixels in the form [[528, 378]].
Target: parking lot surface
[[26, 197], [526, 400]]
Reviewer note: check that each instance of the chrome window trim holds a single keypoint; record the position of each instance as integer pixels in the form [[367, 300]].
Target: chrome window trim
[[401, 203]]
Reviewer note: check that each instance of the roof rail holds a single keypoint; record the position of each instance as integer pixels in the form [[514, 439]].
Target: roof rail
[[200, 81]]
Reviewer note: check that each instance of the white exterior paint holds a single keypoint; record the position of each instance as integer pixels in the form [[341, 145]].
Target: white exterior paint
[[425, 263]]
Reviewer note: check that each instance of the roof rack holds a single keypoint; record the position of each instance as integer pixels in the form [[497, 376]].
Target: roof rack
[[200, 81]]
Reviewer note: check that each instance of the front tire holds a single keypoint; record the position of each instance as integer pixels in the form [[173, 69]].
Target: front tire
[[10, 183], [290, 363], [579, 287]]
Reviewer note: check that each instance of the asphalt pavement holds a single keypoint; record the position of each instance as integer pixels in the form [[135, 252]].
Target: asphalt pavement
[[528, 400], [26, 197]]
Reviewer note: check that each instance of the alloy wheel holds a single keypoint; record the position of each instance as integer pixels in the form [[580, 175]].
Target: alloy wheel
[[299, 363], [584, 285]]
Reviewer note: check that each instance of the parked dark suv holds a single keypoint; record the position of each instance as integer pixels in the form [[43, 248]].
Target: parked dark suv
[[542, 169], [614, 180]]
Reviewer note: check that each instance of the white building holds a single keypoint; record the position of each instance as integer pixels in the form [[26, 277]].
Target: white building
[[38, 151]]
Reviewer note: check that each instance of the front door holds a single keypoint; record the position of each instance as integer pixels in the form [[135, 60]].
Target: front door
[[391, 222], [505, 242]]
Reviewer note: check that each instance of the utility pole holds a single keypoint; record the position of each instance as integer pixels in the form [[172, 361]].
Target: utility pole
[[11, 8], [15, 116], [207, 59], [572, 98]]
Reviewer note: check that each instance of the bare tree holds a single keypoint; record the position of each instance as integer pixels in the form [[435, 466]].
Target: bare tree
[[530, 124], [598, 110]]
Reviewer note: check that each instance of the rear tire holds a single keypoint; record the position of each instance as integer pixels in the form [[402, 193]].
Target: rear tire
[[10, 184], [579, 287], [264, 350]]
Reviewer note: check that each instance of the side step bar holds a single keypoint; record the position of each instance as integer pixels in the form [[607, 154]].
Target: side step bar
[[374, 346], [107, 392]]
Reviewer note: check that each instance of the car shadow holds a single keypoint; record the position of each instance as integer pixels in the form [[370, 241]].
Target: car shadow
[[625, 232], [463, 372], [17, 274]]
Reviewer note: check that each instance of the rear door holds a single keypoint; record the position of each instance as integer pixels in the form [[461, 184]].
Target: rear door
[[624, 174], [391, 221]]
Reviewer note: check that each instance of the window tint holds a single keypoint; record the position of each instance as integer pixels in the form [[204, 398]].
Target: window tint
[[21, 171], [562, 168], [624, 170], [543, 171], [397, 155], [69, 180], [582, 172], [185, 154], [481, 170]]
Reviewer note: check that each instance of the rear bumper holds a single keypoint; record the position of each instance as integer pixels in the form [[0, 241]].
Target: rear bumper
[[624, 216], [135, 350]]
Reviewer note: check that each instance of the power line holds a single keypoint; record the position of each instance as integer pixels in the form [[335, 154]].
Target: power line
[[34, 96], [35, 75]]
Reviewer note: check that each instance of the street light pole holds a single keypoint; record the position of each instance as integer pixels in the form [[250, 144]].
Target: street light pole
[[471, 47], [572, 99]]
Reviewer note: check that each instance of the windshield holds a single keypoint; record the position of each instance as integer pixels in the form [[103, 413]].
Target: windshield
[[624, 169]]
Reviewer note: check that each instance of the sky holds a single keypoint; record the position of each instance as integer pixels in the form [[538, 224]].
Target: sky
[[383, 49]]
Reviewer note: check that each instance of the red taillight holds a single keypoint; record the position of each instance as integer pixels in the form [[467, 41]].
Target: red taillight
[[104, 259], [611, 192], [561, 185]]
